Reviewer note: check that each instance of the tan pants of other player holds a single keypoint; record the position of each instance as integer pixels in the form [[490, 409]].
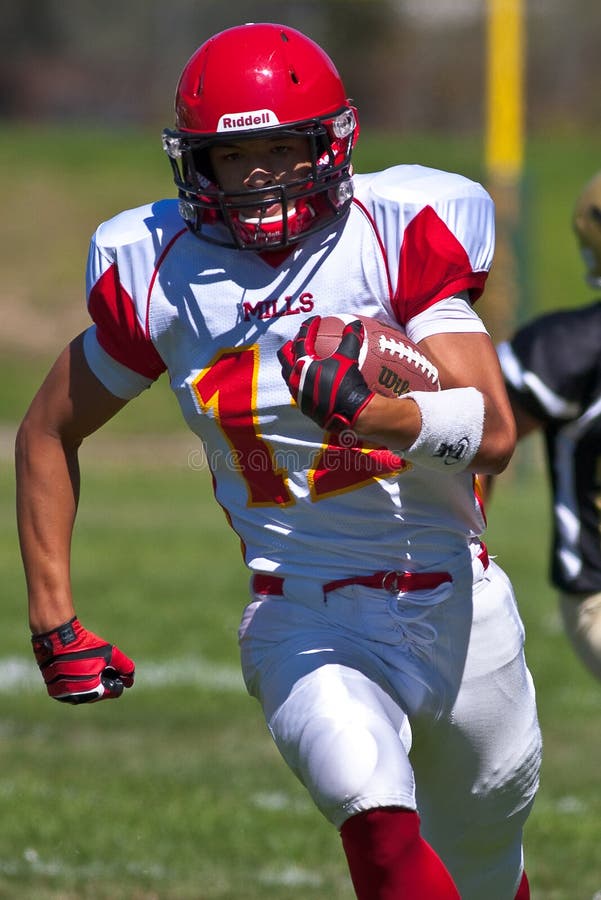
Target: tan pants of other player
[[582, 621]]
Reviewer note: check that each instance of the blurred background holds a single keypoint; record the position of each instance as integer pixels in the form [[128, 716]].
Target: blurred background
[[409, 64], [175, 791], [85, 88], [81, 82]]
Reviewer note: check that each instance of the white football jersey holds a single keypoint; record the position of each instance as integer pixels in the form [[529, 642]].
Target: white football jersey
[[214, 318]]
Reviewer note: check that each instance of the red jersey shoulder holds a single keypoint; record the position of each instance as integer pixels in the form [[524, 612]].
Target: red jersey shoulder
[[437, 229]]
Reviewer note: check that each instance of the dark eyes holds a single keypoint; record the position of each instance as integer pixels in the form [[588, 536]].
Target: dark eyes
[[276, 150]]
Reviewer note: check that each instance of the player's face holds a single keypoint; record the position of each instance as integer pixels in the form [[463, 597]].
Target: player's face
[[260, 163]]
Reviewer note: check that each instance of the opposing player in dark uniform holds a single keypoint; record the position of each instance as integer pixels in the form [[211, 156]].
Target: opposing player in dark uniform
[[552, 367]]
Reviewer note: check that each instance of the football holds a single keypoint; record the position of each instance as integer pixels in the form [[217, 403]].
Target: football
[[391, 364]]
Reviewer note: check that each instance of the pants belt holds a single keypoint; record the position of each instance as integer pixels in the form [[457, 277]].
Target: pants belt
[[391, 581]]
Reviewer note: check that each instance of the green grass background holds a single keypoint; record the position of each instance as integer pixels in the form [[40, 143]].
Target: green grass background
[[176, 792]]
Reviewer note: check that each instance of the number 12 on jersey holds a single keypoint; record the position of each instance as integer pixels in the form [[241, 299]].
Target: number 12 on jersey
[[228, 387]]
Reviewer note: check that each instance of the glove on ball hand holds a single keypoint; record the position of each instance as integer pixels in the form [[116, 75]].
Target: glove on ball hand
[[79, 667], [330, 390]]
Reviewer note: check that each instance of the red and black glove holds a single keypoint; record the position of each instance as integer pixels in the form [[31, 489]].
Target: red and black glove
[[330, 390], [79, 667]]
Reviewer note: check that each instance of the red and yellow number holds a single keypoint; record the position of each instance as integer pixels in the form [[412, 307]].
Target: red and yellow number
[[229, 387]]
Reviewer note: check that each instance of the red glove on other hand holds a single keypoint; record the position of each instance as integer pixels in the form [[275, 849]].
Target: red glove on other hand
[[79, 667], [330, 390]]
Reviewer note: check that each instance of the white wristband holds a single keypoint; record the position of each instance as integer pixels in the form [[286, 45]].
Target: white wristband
[[452, 427]]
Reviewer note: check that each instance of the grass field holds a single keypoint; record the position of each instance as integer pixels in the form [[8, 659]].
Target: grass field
[[176, 792]]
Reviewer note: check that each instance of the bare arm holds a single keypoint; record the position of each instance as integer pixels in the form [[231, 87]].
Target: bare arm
[[70, 404], [463, 360]]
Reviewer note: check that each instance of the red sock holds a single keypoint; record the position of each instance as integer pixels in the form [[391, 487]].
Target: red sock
[[524, 889], [389, 860]]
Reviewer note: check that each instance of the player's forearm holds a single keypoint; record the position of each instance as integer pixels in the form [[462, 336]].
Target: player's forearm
[[394, 424], [47, 493], [398, 423]]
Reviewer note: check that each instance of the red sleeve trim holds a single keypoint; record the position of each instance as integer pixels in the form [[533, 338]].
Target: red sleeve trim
[[118, 330], [432, 265]]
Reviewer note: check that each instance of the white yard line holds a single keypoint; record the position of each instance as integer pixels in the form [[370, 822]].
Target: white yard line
[[20, 674]]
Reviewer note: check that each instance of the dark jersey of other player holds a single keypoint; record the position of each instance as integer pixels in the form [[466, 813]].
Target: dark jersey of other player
[[553, 368]]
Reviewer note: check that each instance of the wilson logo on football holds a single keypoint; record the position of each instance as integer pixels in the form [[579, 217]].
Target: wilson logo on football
[[392, 382]]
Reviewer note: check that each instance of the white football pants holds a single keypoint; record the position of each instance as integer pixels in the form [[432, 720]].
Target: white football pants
[[420, 699]]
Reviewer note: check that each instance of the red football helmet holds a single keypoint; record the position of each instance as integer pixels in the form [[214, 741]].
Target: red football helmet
[[261, 80]]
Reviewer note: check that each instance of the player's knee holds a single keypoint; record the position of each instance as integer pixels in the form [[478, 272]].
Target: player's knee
[[350, 767]]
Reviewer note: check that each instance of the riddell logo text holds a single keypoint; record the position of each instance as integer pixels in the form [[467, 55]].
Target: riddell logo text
[[255, 118], [273, 309]]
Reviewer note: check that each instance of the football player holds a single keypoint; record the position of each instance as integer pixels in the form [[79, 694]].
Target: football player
[[552, 367], [383, 644]]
